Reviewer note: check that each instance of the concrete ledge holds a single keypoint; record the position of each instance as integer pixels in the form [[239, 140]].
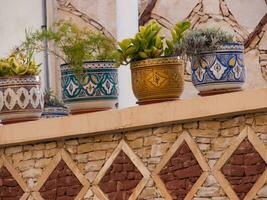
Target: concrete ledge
[[135, 117]]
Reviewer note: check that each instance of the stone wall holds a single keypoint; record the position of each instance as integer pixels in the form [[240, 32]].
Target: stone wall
[[245, 19], [218, 159]]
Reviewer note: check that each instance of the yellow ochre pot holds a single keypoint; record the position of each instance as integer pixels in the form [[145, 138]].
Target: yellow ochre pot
[[158, 79]]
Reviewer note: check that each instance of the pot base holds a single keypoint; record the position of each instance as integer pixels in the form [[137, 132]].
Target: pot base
[[19, 120], [150, 101], [82, 111], [218, 91]]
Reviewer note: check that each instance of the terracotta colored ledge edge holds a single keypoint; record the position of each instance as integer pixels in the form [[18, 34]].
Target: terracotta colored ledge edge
[[134, 118]]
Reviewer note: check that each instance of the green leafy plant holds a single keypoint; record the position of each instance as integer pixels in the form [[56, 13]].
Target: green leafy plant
[[147, 43], [175, 46], [19, 63], [50, 100], [199, 40], [75, 45]]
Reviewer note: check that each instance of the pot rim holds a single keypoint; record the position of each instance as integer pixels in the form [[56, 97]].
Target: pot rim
[[239, 47], [20, 77], [150, 61], [91, 62]]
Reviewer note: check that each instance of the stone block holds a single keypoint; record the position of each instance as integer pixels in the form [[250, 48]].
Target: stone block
[[191, 125], [236, 121], [214, 125], [94, 165], [137, 134], [32, 173], [161, 130], [50, 153], [25, 165], [11, 150], [261, 120], [159, 149], [18, 157], [42, 163], [169, 137], [104, 145], [40, 146], [71, 142], [176, 128], [204, 133], [38, 154], [221, 143], [50, 145], [148, 141], [211, 7], [96, 155], [84, 148], [230, 132]]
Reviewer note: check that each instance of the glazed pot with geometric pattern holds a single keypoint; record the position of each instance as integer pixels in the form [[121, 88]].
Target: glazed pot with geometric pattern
[[219, 71], [95, 90], [21, 99], [158, 79]]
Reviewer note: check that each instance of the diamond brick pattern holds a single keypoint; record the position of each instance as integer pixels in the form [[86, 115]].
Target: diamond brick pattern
[[121, 178], [9, 188], [243, 168], [181, 172], [61, 184]]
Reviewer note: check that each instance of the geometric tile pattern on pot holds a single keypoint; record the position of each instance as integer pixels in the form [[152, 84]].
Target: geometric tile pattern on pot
[[182, 170], [243, 168], [122, 177], [61, 183], [241, 171], [12, 185], [62, 179]]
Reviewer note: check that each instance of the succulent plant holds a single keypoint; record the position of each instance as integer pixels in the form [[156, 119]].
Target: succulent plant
[[146, 44], [207, 39], [174, 46], [19, 63], [50, 100]]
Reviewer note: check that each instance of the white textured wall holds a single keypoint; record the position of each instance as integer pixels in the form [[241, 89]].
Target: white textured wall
[[15, 17], [127, 26]]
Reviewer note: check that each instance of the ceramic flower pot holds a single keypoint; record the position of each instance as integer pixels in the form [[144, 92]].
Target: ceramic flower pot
[[157, 80], [53, 112], [219, 71], [21, 99], [95, 90]]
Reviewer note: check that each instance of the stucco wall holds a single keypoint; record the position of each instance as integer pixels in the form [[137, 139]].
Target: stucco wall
[[183, 159]]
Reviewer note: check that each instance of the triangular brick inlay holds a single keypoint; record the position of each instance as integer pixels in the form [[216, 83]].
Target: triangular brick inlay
[[61, 184], [243, 168], [9, 188], [121, 178], [181, 172]]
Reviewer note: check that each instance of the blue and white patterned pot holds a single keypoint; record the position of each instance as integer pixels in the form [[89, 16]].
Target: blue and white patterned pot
[[54, 112], [220, 70], [21, 99], [97, 90]]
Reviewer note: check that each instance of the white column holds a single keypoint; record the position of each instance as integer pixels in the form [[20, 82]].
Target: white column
[[127, 26]]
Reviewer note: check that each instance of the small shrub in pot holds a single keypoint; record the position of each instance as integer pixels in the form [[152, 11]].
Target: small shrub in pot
[[217, 61], [21, 97]]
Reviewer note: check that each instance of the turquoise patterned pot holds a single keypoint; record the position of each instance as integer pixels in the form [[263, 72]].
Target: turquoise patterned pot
[[219, 71], [97, 90]]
